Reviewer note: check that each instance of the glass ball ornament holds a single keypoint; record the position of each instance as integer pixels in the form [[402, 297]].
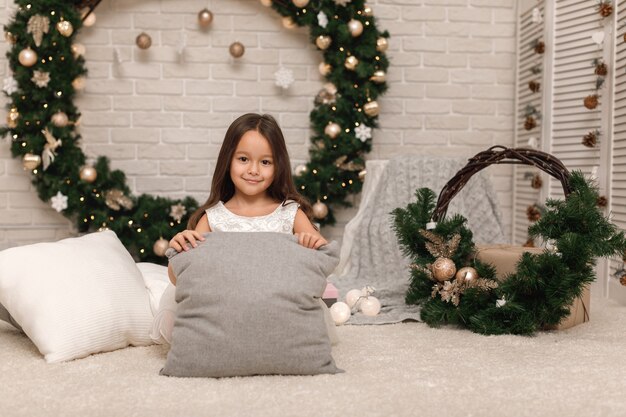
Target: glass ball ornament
[[300, 3], [288, 22], [367, 11], [88, 174], [324, 68], [205, 17], [31, 161], [300, 169], [466, 274], [78, 49], [65, 28], [340, 313], [78, 83], [351, 62], [443, 269], [320, 210], [370, 306], [353, 298], [371, 109], [90, 20], [60, 119], [355, 27], [382, 44], [378, 77], [27, 57], [143, 41], [323, 41], [160, 247], [236, 49], [332, 130]]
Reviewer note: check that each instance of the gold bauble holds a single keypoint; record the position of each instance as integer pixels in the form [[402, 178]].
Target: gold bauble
[[323, 41], [160, 246], [367, 11], [266, 3], [10, 38], [382, 44], [362, 174], [12, 118], [466, 274], [143, 41], [324, 68], [31, 161], [443, 269], [351, 62], [355, 27], [371, 109], [378, 77], [65, 28], [27, 57], [90, 20], [300, 3], [60, 119], [78, 83], [236, 49], [288, 22], [300, 169], [332, 130], [320, 210], [205, 17], [88, 174], [78, 49]]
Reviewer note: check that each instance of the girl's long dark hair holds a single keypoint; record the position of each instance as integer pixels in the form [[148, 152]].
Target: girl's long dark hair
[[223, 188]]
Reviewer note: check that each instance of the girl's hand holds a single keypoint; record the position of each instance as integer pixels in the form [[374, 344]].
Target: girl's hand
[[180, 240], [311, 240]]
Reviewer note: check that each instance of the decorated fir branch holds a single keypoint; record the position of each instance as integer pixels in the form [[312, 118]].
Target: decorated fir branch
[[48, 70], [537, 295]]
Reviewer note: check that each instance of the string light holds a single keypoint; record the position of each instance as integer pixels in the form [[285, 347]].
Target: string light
[[139, 230], [130, 222], [82, 199], [142, 250], [92, 217]]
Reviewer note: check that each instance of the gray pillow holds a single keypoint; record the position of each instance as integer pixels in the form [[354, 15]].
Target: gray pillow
[[248, 304]]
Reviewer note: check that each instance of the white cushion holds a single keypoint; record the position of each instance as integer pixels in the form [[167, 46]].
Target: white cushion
[[77, 296], [156, 281]]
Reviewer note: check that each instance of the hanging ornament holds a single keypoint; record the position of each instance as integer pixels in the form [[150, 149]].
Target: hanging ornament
[[143, 41], [443, 269], [349, 165], [10, 38], [88, 174], [362, 174], [59, 202], [351, 62], [326, 95], [601, 68], [90, 20], [266, 3], [355, 27], [534, 86], [324, 68], [539, 47], [27, 57], [78, 83], [591, 139], [382, 44], [177, 212], [40, 78], [536, 182], [300, 3], [236, 49], [598, 37], [533, 213], [367, 11], [65, 28], [322, 19], [320, 210], [300, 169], [78, 49], [288, 22], [379, 77], [605, 8], [362, 132], [323, 41], [602, 201], [591, 101], [31, 161], [370, 306], [49, 149], [160, 246], [533, 142], [283, 77], [332, 130], [353, 298], [537, 18], [340, 313], [116, 199], [12, 118], [466, 274], [205, 17], [37, 26], [371, 109], [530, 123], [500, 302], [342, 2], [10, 85], [60, 119]]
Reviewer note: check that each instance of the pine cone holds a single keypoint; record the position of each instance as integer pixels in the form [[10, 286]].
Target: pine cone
[[622, 279], [530, 123], [536, 182], [602, 201], [533, 213], [590, 140], [601, 69], [591, 101], [605, 9], [540, 47], [530, 243], [534, 86]]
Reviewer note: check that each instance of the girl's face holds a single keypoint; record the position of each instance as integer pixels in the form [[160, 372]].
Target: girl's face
[[252, 166]]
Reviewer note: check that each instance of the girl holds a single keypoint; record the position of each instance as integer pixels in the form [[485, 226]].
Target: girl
[[252, 191]]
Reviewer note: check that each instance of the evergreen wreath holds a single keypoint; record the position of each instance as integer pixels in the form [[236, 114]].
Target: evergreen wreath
[[42, 118], [539, 293]]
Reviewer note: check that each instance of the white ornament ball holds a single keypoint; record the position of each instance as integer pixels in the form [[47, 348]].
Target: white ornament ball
[[355, 27], [332, 130], [78, 49], [320, 210], [340, 312], [370, 306], [300, 169], [78, 83], [65, 28], [352, 297], [90, 20], [60, 119], [88, 174], [27, 57], [160, 246], [288, 22]]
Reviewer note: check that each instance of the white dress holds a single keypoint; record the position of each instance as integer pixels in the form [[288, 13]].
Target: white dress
[[221, 219]]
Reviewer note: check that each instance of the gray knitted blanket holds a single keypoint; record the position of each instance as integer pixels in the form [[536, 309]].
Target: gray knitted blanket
[[371, 254]]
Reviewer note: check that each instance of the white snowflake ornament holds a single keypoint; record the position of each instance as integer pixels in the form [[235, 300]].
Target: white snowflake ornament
[[177, 211], [59, 202], [322, 19], [363, 132], [284, 77], [342, 2], [41, 78], [10, 85], [537, 18]]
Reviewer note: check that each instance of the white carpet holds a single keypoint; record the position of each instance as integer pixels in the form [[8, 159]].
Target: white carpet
[[392, 370]]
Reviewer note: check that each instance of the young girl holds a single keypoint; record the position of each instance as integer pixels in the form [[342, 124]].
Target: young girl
[[252, 191]]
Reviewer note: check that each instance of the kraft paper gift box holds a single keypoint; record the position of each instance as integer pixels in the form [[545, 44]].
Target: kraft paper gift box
[[505, 258]]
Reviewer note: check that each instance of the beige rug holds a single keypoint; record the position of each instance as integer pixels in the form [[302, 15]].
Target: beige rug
[[392, 370]]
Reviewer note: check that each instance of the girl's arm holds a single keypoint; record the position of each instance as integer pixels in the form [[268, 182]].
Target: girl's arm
[[308, 236], [179, 241]]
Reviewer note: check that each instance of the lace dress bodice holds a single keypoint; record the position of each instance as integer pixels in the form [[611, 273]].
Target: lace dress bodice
[[280, 220]]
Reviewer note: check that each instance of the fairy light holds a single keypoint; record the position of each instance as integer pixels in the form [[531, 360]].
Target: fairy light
[[35, 171], [92, 217], [59, 93], [302, 187], [325, 197], [341, 49], [171, 224], [45, 106], [343, 184], [142, 250], [23, 144], [130, 222], [139, 230], [350, 182], [315, 171], [85, 220], [82, 199]]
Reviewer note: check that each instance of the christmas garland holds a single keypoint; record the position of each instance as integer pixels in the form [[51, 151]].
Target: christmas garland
[[48, 70], [537, 295]]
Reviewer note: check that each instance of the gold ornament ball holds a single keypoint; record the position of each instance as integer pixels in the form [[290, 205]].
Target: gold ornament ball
[[367, 11], [205, 17], [323, 41], [320, 210], [10, 38], [88, 174], [78, 83], [300, 169], [378, 77], [443, 269], [466, 274], [78, 49], [143, 41], [371, 109], [160, 246], [382, 44], [65, 28], [351, 62], [236, 49], [90, 20], [288, 22], [332, 130], [355, 27], [27, 57], [31, 161], [324, 68], [266, 3], [300, 3], [60, 119]]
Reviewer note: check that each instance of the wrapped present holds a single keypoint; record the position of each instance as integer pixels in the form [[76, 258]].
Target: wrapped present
[[331, 294]]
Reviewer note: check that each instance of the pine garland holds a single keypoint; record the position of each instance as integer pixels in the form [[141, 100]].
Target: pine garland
[[539, 293]]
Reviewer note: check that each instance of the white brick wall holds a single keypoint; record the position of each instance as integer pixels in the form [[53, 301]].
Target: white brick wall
[[161, 119]]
